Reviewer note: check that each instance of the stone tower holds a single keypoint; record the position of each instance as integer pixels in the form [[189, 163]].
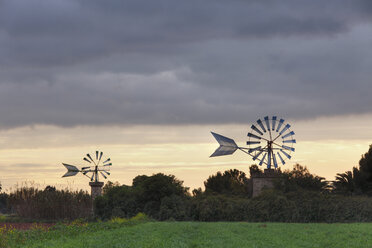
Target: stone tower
[[96, 189], [263, 180]]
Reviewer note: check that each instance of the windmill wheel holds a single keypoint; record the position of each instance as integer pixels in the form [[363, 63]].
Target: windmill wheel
[[97, 166], [271, 140]]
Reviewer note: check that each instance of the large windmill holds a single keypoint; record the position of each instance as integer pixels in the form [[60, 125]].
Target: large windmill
[[270, 142], [98, 166]]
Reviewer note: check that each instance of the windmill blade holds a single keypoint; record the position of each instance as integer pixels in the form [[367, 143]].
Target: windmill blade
[[269, 160], [227, 145], [288, 134], [96, 155], [258, 154], [256, 129], [279, 125], [254, 149], [253, 142], [107, 160], [253, 136], [107, 164], [88, 155], [274, 121], [108, 173], [84, 168], [285, 154], [91, 179], [103, 175], [285, 129], [100, 156], [87, 160], [85, 172], [288, 148], [266, 118], [71, 170], [289, 141], [274, 159], [263, 158], [259, 122], [281, 159]]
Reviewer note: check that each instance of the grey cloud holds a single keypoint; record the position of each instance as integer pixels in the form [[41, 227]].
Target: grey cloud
[[71, 63], [54, 33]]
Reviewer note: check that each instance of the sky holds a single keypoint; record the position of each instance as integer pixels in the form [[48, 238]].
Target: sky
[[146, 81]]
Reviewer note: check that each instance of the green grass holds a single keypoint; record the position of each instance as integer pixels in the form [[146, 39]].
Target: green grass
[[199, 234]]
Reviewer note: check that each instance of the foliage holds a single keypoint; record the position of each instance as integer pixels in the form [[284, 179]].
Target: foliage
[[255, 170], [277, 206], [62, 231], [300, 178], [3, 202], [50, 204], [231, 182], [198, 234], [159, 196], [359, 180]]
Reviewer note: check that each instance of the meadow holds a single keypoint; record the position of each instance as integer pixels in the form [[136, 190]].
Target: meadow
[[142, 232]]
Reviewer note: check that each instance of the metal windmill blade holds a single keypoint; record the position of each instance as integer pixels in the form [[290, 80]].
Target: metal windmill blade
[[270, 142]]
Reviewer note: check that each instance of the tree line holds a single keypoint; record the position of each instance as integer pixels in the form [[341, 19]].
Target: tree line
[[298, 196]]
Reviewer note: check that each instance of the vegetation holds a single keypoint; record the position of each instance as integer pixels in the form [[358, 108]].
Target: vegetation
[[140, 232], [359, 180], [160, 196], [298, 196], [50, 203], [3, 201], [231, 182]]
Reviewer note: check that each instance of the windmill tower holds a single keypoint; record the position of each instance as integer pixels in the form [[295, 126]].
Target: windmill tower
[[270, 143], [95, 169]]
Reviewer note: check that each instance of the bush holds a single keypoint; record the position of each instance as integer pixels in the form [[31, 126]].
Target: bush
[[50, 204], [159, 196], [3, 202]]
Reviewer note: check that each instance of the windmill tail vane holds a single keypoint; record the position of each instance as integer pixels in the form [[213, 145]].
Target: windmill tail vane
[[227, 145], [95, 167]]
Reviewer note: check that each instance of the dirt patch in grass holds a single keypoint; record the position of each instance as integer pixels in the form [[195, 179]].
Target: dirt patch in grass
[[26, 226]]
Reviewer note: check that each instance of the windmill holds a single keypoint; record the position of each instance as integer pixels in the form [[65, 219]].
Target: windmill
[[270, 142], [98, 166]]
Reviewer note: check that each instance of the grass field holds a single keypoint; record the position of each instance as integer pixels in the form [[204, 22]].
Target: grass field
[[198, 234]]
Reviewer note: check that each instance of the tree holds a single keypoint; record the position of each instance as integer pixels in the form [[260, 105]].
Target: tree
[[300, 178], [231, 181], [148, 194], [348, 183], [255, 170]]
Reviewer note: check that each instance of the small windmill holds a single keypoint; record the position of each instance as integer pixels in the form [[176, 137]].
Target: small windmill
[[93, 171], [270, 142]]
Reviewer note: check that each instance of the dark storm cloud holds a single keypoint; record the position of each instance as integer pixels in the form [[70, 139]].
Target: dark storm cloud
[[178, 62]]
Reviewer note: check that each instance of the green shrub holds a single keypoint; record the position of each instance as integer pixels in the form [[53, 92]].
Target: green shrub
[[32, 203]]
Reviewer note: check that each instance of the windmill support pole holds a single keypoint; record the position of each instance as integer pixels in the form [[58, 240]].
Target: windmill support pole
[[96, 189]]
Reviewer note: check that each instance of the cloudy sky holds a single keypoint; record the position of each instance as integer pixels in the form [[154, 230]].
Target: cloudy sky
[[145, 81]]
